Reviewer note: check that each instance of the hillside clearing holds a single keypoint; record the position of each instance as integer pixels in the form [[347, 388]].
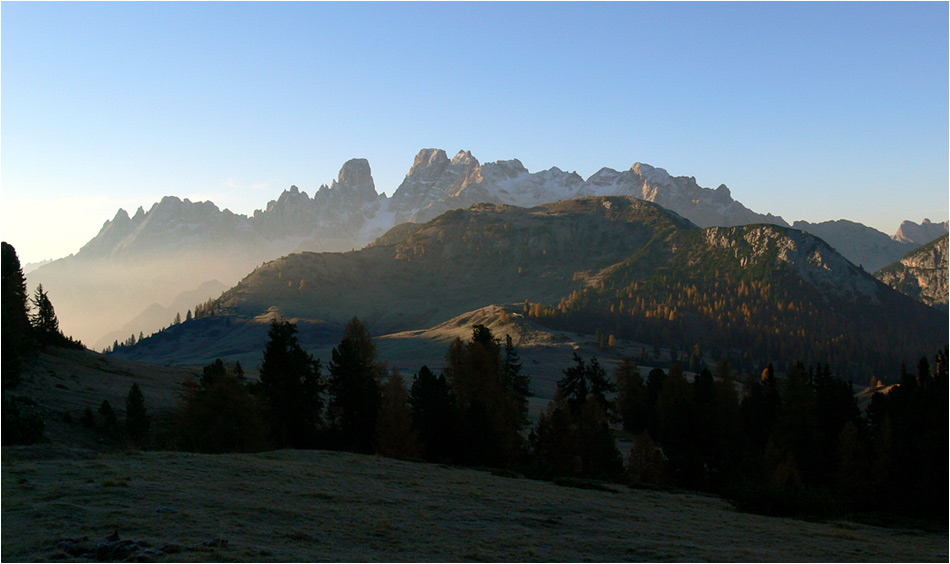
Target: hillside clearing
[[331, 506]]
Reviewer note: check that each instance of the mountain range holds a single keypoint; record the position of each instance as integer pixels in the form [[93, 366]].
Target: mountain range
[[614, 264], [139, 265]]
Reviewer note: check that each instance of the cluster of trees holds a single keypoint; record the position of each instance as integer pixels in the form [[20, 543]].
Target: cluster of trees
[[128, 343], [202, 310], [799, 444], [24, 331], [474, 413], [771, 317], [136, 431]]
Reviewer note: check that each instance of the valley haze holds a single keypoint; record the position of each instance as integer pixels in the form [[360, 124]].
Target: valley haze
[[142, 269]]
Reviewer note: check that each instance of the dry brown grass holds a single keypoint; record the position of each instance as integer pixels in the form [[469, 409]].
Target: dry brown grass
[[319, 506]]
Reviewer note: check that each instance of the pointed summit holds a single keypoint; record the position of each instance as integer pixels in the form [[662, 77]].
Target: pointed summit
[[428, 159], [356, 178], [464, 158]]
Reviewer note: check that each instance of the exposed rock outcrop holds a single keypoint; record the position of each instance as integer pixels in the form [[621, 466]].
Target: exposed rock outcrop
[[922, 274]]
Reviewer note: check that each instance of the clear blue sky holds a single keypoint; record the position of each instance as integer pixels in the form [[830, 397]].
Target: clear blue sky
[[812, 111]]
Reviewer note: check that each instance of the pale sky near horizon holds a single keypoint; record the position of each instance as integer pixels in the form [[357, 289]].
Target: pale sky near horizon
[[812, 111]]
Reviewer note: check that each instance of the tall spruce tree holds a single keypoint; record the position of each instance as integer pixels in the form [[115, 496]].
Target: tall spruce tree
[[489, 411], [584, 379], [434, 415], [136, 416], [45, 323], [519, 384], [396, 436], [291, 385], [15, 333], [354, 389]]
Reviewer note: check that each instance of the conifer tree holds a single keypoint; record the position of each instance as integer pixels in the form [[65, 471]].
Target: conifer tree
[[291, 386], [220, 415], [396, 436], [434, 415], [108, 416], [631, 396], [15, 333], [519, 384], [583, 379], [136, 416], [45, 324], [489, 408], [354, 389]]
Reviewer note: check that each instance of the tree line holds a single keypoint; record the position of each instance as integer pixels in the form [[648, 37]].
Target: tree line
[[792, 445]]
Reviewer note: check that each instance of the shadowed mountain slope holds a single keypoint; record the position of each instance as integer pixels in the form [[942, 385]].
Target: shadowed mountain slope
[[615, 264]]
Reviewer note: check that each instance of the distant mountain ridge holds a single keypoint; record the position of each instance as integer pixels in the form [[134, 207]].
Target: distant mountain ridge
[[350, 213], [608, 262], [922, 233], [175, 246]]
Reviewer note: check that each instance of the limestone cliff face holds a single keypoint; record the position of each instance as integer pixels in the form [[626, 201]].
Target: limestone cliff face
[[921, 274]]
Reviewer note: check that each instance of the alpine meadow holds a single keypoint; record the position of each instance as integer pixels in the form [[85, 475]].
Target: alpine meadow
[[440, 358]]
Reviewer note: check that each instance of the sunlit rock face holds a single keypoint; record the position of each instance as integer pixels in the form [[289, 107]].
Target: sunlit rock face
[[922, 274]]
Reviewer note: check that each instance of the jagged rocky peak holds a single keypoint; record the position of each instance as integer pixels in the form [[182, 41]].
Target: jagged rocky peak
[[652, 174], [290, 197], [499, 171], [464, 158], [925, 232], [429, 159], [121, 216], [139, 215], [356, 178]]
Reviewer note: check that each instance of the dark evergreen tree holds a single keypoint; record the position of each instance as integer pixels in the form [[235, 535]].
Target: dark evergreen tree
[[574, 386], [21, 428], [291, 386], [655, 380], [45, 323], [15, 332], [554, 451], [137, 420], [677, 427], [490, 411], [212, 372], [109, 419], [583, 379], [396, 436], [434, 415], [220, 415], [567, 444], [631, 396], [354, 389], [758, 410], [519, 384]]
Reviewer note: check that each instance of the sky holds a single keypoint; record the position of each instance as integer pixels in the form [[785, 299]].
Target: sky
[[812, 111]]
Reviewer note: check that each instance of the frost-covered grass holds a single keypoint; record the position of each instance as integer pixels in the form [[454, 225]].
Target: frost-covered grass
[[317, 505]]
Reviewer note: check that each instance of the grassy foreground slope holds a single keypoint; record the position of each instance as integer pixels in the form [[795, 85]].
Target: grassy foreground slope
[[332, 506]]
